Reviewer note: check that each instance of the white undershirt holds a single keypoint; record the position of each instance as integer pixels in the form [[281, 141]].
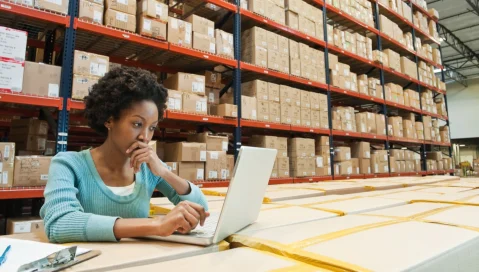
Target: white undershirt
[[123, 191]]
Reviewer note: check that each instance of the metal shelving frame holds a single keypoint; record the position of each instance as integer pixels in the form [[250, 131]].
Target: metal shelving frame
[[73, 25]]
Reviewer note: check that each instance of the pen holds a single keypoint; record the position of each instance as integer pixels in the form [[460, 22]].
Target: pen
[[3, 258]]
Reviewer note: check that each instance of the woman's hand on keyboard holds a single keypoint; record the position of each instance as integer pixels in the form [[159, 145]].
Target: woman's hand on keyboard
[[183, 218]]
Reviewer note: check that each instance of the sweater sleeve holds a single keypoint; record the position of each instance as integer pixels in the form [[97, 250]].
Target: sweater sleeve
[[63, 216], [195, 195]]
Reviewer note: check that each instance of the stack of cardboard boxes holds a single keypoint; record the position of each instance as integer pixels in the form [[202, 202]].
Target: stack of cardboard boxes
[[203, 33], [427, 123], [361, 10], [121, 15], [352, 42], [217, 161], [413, 98], [20, 171], [404, 161], [55, 6], [363, 84], [379, 162], [427, 101], [420, 21], [394, 59], [434, 13], [272, 9], [342, 161], [361, 157], [395, 93], [88, 68], [391, 29], [395, 126], [409, 127], [434, 161], [187, 159], [281, 168], [435, 131], [400, 7], [302, 157], [374, 87], [91, 11], [441, 107], [212, 90], [152, 18], [13, 44], [304, 17], [426, 73], [342, 77], [224, 44], [408, 41], [290, 102], [311, 63], [419, 130], [381, 58], [444, 134], [436, 56], [323, 158], [29, 135], [186, 92], [254, 46], [344, 118], [248, 105]]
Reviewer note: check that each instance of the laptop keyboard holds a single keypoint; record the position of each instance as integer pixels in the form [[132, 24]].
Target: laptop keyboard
[[209, 228]]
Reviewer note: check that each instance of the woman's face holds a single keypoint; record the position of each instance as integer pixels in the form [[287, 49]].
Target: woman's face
[[138, 123]]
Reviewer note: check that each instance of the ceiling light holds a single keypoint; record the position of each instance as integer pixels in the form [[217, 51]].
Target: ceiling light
[[462, 145], [404, 148]]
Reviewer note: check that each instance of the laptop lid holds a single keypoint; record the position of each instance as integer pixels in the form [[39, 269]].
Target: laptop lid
[[246, 190]]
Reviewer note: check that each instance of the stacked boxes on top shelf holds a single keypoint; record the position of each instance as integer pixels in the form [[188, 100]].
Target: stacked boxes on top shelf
[[13, 44], [361, 10], [281, 168], [121, 15], [213, 88], [203, 31], [152, 18], [88, 68], [302, 159], [91, 11], [344, 118]]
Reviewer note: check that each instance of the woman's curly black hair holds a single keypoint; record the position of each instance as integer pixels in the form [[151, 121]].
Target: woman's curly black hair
[[117, 91]]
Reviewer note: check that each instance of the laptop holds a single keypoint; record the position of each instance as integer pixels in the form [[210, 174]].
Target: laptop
[[242, 203]]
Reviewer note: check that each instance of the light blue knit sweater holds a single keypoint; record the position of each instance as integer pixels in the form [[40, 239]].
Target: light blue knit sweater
[[79, 207]]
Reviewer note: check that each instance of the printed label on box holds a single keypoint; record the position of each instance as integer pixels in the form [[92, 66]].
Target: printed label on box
[[53, 90], [212, 48], [1, 166], [376, 168], [6, 153], [198, 106], [224, 174], [202, 155], [198, 87], [211, 32], [224, 145], [350, 170], [348, 156], [123, 2], [97, 16], [319, 161], [253, 114], [214, 155], [159, 10], [211, 97], [43, 177], [200, 174], [367, 154], [188, 33], [147, 24], [213, 174], [22, 227]]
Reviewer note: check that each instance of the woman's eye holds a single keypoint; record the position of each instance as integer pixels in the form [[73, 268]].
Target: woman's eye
[[137, 124], [153, 128]]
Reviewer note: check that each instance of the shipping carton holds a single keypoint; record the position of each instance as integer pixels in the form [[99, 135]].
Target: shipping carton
[[204, 42], [226, 110], [41, 79], [202, 25], [55, 6], [151, 28], [215, 167], [186, 83], [361, 150], [301, 147], [120, 20], [28, 127], [365, 166], [213, 142], [12, 76], [191, 170], [342, 153], [224, 43], [343, 168], [185, 152], [283, 167], [89, 64], [194, 103], [31, 170], [302, 167], [179, 32], [24, 225], [82, 86], [91, 12], [13, 44], [153, 9]]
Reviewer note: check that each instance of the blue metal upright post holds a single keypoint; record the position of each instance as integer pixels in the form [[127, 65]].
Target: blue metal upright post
[[328, 81], [381, 75], [418, 89], [237, 77], [66, 78]]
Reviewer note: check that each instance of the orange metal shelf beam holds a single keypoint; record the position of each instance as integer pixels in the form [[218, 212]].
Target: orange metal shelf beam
[[322, 131], [312, 179], [75, 104], [399, 106], [278, 181], [339, 12], [173, 115], [407, 174], [47, 16], [21, 192], [223, 4], [344, 177], [202, 55], [54, 102], [210, 184], [266, 125], [404, 140]]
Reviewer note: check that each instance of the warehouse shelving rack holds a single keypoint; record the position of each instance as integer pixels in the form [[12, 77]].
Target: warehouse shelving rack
[[132, 49]]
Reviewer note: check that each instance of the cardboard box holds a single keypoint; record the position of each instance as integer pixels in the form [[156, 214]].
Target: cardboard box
[[13, 44], [342, 153], [305, 99], [226, 110], [437, 156], [361, 150], [381, 155], [89, 64], [215, 167], [82, 86], [204, 43], [398, 154], [302, 166], [41, 79], [292, 19], [153, 9], [294, 5], [192, 170], [28, 127], [224, 43], [273, 92], [213, 95], [213, 142], [274, 112], [29, 142], [12, 76], [91, 12], [296, 116], [194, 103], [24, 225], [283, 167], [31, 170], [120, 20], [343, 168], [263, 110], [306, 117], [248, 108], [301, 147], [365, 166], [202, 25], [355, 166], [151, 28], [175, 100], [7, 161], [179, 32], [186, 83], [55, 6], [185, 152], [124, 6]]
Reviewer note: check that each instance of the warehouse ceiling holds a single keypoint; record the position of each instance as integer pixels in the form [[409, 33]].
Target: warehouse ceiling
[[461, 18]]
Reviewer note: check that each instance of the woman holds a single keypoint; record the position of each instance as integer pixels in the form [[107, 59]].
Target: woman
[[103, 194]]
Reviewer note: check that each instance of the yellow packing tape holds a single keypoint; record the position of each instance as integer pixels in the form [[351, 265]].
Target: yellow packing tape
[[298, 268], [214, 193], [317, 260], [223, 245], [333, 235], [444, 202]]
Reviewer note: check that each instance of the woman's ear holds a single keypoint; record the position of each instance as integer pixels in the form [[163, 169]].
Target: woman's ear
[[109, 123]]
